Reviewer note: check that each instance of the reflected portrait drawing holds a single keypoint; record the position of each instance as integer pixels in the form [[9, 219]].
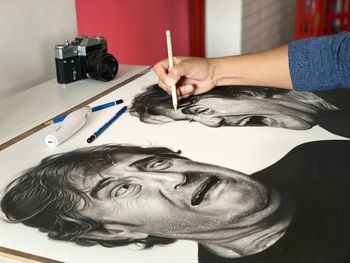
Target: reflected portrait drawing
[[116, 195], [248, 106]]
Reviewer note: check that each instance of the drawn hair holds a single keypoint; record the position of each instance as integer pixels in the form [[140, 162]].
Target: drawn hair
[[44, 197], [144, 104]]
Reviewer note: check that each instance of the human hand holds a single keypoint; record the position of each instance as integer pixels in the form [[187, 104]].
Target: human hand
[[191, 75]]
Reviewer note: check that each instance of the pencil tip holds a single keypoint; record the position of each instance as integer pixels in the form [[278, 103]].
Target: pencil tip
[[48, 122]]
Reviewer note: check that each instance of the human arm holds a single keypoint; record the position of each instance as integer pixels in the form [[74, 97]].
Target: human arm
[[321, 63], [311, 64], [198, 75]]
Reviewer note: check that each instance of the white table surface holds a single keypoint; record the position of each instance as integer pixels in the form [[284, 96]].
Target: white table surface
[[32, 107]]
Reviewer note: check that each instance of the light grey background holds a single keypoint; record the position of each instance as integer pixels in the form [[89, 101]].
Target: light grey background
[[29, 30]]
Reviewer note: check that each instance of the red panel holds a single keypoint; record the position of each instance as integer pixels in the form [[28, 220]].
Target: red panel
[[321, 17], [197, 19], [134, 29]]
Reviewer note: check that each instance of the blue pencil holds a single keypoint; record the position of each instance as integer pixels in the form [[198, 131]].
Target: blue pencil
[[93, 109], [106, 125]]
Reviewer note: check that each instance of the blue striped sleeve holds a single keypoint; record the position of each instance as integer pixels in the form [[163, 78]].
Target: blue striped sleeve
[[322, 63]]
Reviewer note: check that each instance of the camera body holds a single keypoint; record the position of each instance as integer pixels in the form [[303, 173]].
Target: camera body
[[84, 58]]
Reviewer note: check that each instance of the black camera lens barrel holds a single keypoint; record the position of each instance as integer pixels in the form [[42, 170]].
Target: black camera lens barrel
[[102, 66], [84, 58]]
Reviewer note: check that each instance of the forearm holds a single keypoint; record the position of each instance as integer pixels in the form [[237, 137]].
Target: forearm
[[269, 68], [312, 64]]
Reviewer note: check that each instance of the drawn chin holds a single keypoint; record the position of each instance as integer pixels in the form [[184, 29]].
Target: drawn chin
[[297, 124]]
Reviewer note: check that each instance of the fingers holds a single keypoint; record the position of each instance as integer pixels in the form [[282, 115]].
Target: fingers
[[161, 68], [185, 91], [167, 78], [181, 69], [170, 77]]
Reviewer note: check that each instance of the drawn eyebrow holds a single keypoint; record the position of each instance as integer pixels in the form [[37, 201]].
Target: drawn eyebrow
[[99, 186]]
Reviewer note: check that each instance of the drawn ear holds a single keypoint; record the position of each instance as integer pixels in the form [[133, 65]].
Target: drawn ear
[[221, 251], [114, 232]]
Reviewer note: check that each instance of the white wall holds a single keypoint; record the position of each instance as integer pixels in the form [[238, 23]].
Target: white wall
[[223, 27], [29, 30], [244, 26]]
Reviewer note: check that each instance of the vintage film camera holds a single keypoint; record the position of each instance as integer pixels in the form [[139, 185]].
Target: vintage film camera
[[84, 58]]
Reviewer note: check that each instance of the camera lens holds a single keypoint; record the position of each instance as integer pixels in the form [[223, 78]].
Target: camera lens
[[102, 66]]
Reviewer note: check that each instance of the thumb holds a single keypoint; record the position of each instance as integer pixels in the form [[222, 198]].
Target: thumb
[[176, 73], [173, 77]]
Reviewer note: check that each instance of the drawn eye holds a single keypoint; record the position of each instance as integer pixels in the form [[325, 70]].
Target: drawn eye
[[122, 190], [204, 111], [159, 164], [247, 93]]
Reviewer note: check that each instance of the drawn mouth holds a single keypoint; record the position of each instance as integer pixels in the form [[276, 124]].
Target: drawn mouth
[[257, 121], [204, 188]]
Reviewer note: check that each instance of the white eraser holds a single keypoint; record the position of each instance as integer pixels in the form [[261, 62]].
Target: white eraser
[[70, 125], [51, 141]]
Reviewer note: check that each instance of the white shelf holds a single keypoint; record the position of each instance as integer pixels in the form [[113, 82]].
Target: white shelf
[[32, 107]]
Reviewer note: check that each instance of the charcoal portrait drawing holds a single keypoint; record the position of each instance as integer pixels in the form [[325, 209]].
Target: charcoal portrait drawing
[[249, 106], [115, 195], [316, 175]]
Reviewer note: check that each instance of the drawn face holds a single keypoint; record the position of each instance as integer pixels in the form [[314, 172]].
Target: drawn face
[[171, 197], [249, 109]]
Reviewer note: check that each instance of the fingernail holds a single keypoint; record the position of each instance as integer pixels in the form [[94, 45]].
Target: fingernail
[[188, 89], [169, 81]]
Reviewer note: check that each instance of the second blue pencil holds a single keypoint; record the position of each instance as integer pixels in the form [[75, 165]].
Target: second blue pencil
[[106, 125]]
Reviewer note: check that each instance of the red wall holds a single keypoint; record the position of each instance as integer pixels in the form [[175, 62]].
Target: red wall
[[135, 29]]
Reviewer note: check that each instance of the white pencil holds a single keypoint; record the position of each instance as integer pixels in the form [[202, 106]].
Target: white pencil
[[171, 64]]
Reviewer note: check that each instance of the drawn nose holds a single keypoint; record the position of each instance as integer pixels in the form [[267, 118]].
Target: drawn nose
[[209, 121], [183, 182], [169, 180]]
